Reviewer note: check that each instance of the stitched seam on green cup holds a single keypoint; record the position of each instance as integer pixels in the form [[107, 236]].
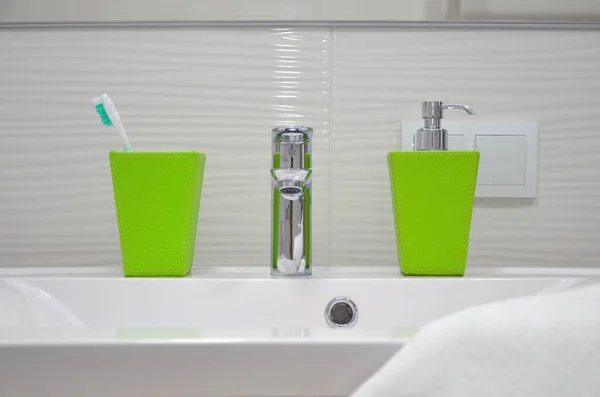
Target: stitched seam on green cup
[[117, 201], [469, 217], [399, 210], [123, 244], [187, 212]]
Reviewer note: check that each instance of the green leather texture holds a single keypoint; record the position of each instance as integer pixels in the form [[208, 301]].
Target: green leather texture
[[432, 197], [157, 198]]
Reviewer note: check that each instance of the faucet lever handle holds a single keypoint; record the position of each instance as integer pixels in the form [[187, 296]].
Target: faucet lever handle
[[458, 106]]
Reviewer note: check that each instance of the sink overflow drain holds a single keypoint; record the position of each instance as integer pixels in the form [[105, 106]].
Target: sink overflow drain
[[341, 312]]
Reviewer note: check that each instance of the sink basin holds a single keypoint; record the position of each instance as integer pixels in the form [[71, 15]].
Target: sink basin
[[226, 332]]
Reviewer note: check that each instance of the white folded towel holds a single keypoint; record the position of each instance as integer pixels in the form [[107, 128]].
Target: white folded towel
[[538, 346]]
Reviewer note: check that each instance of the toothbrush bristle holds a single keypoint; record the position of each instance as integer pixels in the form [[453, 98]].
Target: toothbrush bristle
[[103, 115]]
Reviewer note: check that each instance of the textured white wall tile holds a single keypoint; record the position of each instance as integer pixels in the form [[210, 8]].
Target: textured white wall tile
[[219, 91], [548, 77]]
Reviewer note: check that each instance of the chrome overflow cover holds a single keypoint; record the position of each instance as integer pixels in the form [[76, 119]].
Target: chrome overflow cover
[[341, 312]]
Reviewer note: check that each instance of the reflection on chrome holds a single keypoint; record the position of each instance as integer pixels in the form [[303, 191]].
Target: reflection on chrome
[[291, 178]]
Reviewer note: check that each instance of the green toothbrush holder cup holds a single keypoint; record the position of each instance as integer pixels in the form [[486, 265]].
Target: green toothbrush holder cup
[[432, 197], [157, 198]]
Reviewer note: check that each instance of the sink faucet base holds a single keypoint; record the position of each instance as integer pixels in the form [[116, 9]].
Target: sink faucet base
[[278, 273]]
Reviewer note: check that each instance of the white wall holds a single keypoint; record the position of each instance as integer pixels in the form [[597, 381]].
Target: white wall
[[530, 10], [44, 11], [548, 77], [18, 11], [220, 90]]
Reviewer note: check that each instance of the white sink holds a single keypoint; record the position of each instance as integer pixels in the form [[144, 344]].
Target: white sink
[[225, 332]]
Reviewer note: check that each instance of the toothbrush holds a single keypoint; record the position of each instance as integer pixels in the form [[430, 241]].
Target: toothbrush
[[108, 115]]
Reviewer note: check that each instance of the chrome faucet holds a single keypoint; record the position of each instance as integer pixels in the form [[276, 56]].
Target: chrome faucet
[[290, 201]]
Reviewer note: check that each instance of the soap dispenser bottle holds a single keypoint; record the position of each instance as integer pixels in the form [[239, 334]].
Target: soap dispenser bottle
[[432, 196]]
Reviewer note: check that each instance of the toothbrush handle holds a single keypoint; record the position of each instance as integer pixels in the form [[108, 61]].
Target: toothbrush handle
[[126, 144]]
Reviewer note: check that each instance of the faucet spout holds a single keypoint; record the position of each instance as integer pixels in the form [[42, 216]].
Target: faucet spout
[[291, 183], [291, 178]]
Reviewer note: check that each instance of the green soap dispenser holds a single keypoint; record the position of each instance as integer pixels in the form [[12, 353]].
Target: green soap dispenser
[[432, 196]]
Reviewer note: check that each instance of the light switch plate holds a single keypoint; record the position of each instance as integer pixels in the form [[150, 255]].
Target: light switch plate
[[508, 164]]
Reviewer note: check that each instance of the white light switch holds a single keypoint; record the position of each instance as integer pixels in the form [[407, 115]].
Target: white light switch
[[508, 164], [456, 142], [505, 159]]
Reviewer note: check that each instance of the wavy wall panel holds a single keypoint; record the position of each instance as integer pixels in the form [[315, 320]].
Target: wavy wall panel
[[548, 77], [214, 90], [220, 90]]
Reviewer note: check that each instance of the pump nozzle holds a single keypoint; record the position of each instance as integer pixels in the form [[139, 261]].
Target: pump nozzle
[[432, 136]]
